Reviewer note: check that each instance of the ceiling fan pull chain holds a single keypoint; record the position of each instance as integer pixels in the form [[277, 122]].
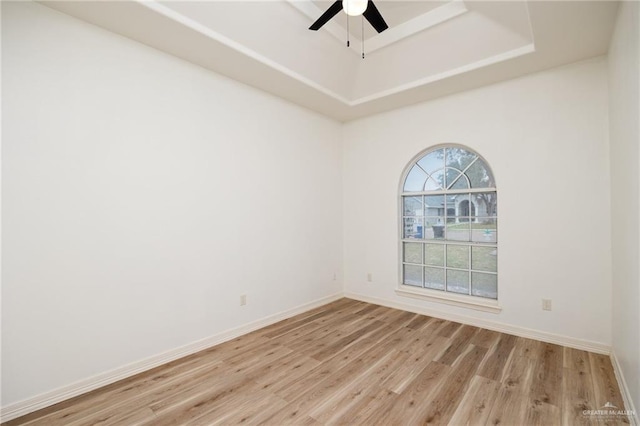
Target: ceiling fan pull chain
[[362, 26], [347, 29]]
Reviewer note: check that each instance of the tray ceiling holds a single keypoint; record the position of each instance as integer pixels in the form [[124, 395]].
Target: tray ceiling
[[431, 49]]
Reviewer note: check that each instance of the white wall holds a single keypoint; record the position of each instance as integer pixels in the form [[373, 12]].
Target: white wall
[[624, 105], [142, 196], [545, 136]]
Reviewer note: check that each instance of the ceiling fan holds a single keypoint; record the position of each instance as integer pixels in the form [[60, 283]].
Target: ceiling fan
[[353, 8]]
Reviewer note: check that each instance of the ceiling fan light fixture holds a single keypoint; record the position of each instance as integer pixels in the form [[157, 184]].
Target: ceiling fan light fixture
[[354, 7]]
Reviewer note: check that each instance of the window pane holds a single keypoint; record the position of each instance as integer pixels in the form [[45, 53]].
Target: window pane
[[436, 181], [433, 161], [434, 228], [434, 205], [486, 204], [458, 281], [415, 179], [434, 278], [413, 275], [450, 176], [413, 206], [412, 227], [451, 204], [434, 254], [461, 205], [458, 256], [480, 176], [465, 206], [460, 182], [459, 158], [459, 229], [484, 259], [485, 230], [412, 252], [484, 285]]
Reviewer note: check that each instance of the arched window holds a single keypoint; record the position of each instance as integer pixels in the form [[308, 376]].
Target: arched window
[[449, 224]]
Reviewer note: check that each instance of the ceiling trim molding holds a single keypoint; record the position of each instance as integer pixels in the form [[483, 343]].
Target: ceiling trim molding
[[413, 26], [501, 57]]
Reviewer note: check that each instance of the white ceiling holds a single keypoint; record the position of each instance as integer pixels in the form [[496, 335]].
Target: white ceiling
[[431, 49]]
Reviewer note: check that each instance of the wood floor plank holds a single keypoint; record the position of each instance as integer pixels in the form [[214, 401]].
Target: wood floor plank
[[253, 409], [289, 366], [323, 318], [331, 349], [444, 403], [355, 363], [485, 338], [410, 405], [512, 401], [277, 328], [287, 326], [176, 377], [341, 400], [494, 365], [183, 386], [458, 344], [541, 413], [376, 399], [477, 402], [209, 398], [117, 391], [605, 386], [448, 328], [386, 314], [605, 389], [291, 387], [577, 396], [250, 356], [133, 417], [577, 360], [547, 377], [304, 401], [401, 317], [418, 322], [171, 401], [528, 348], [307, 342], [414, 361]]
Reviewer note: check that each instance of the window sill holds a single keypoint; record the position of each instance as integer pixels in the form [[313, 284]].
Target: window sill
[[450, 299]]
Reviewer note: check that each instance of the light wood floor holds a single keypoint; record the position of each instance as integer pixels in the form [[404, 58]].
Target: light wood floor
[[354, 363]]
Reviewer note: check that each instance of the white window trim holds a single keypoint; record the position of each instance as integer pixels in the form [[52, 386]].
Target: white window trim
[[444, 297], [461, 300]]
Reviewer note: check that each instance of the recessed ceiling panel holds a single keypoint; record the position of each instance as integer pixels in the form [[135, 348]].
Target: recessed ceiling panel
[[431, 49]]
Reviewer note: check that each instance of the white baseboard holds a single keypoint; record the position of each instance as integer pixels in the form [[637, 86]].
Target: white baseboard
[[543, 336], [626, 395], [55, 396]]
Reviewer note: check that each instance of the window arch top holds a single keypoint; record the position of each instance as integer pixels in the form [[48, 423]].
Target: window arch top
[[446, 169]]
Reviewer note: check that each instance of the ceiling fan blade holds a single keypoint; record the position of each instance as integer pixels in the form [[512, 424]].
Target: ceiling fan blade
[[328, 14], [375, 19]]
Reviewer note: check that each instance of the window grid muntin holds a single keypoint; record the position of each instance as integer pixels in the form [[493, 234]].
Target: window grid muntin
[[444, 240]]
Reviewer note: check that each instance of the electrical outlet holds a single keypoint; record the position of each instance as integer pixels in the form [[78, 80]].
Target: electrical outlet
[[335, 276], [369, 277], [243, 299], [546, 304]]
